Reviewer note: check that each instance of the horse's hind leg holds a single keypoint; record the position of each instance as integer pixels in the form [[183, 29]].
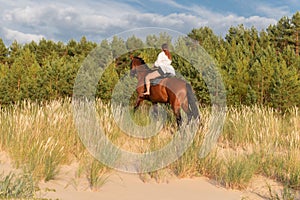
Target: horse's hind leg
[[176, 110], [187, 110], [178, 118]]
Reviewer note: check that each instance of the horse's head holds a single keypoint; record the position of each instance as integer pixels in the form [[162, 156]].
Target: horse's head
[[137, 64]]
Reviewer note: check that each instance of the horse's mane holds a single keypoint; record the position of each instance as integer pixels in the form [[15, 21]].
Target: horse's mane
[[142, 61]]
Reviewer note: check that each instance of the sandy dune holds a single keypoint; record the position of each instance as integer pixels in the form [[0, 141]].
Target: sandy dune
[[130, 187]]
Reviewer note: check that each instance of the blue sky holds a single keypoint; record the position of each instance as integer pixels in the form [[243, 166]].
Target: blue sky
[[27, 20]]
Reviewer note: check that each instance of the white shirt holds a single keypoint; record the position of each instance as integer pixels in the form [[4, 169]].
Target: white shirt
[[164, 63]]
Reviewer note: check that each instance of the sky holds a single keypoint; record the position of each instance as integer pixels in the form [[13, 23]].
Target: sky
[[57, 20]]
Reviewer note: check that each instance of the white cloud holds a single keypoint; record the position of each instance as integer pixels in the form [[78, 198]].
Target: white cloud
[[219, 21], [25, 15], [101, 19], [67, 20], [226, 21], [174, 20], [20, 37]]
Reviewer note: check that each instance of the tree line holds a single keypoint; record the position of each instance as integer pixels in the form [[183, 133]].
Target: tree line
[[257, 67]]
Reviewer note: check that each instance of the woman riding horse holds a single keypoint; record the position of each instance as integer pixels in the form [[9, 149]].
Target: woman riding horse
[[177, 92], [163, 62]]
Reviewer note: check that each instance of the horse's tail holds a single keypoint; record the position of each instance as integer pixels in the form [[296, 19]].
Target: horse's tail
[[193, 108]]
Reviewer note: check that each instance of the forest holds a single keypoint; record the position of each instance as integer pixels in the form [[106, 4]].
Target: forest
[[257, 67], [260, 71]]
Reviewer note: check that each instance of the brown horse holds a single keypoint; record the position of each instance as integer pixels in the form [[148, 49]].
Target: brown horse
[[177, 92]]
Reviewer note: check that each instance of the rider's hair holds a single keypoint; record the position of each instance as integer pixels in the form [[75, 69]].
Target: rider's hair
[[166, 50]]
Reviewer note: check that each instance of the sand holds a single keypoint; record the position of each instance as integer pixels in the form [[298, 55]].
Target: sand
[[67, 185], [130, 187]]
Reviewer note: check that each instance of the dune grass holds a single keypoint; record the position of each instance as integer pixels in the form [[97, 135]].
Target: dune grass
[[39, 138], [255, 141], [17, 186]]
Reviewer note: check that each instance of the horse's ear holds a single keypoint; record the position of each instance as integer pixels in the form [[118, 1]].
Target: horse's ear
[[131, 57]]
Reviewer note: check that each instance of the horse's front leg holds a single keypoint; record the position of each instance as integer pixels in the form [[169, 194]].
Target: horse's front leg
[[140, 97], [139, 100]]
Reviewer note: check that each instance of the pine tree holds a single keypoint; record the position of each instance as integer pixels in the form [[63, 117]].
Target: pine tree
[[107, 83], [4, 96], [14, 51], [206, 38], [285, 87], [296, 28], [261, 72], [118, 47], [17, 81], [164, 38], [152, 41], [91, 72], [72, 47], [3, 52], [134, 43], [281, 34], [84, 47], [192, 62]]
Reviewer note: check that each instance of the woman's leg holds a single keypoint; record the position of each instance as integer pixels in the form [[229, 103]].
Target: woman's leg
[[149, 76]]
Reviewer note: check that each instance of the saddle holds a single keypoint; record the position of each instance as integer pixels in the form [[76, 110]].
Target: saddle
[[156, 81]]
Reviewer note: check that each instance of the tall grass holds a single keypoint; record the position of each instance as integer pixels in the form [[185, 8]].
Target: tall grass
[[262, 127], [285, 194], [96, 173], [239, 170], [39, 137], [17, 186], [274, 136], [255, 141]]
